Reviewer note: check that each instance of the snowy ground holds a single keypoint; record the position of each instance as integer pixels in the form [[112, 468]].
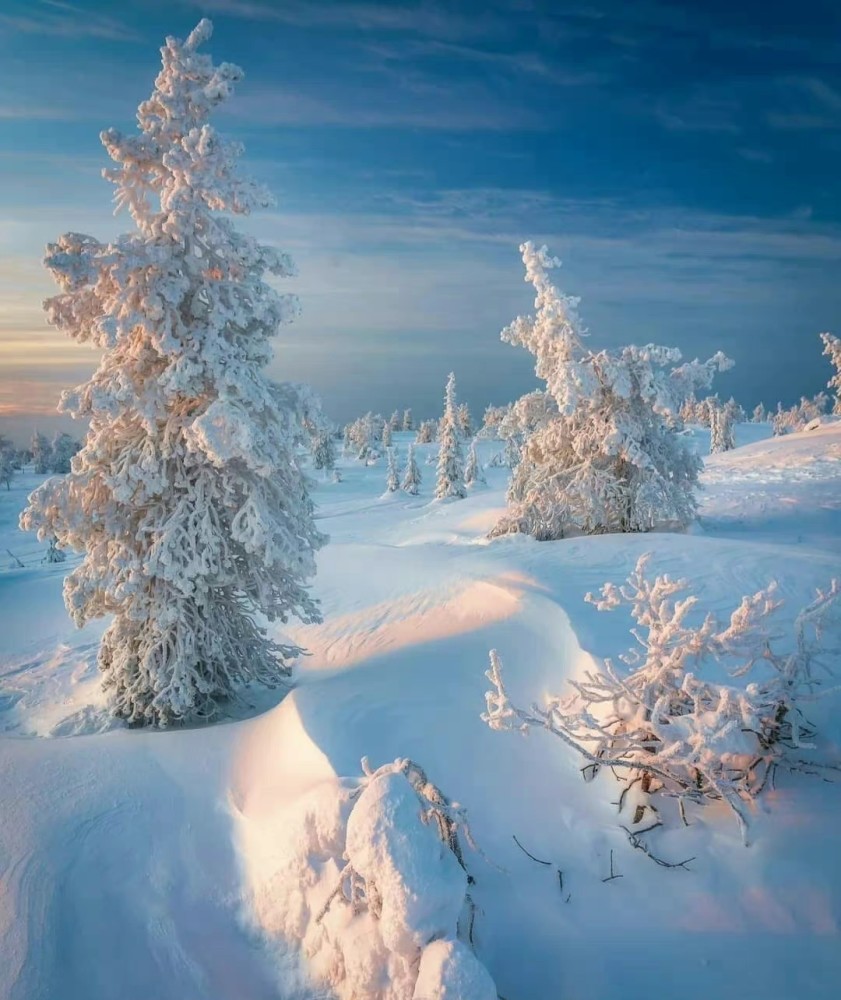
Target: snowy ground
[[142, 865]]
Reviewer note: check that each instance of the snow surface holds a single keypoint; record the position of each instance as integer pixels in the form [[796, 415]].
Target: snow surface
[[146, 864]]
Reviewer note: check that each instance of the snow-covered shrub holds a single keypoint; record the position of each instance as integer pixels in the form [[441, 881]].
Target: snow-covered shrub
[[395, 421], [473, 474], [373, 887], [832, 350], [611, 459], [759, 415], [408, 424], [386, 438], [411, 474], [659, 724], [450, 473], [187, 497]]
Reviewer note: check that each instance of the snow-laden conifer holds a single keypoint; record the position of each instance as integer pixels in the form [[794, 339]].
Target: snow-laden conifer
[[324, 452], [408, 424], [42, 453], [411, 474], [473, 474], [464, 420], [7, 466], [392, 482], [611, 459], [386, 439], [450, 472], [722, 436], [63, 448], [832, 350], [427, 432], [187, 497]]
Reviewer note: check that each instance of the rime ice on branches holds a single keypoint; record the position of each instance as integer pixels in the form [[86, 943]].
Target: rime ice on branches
[[187, 497]]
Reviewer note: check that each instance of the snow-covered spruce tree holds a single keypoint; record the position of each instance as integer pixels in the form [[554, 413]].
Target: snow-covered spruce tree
[[427, 431], [42, 453], [64, 447], [324, 453], [473, 474], [187, 497], [408, 424], [411, 474], [465, 421], [54, 554], [832, 350], [395, 421], [759, 415], [386, 441], [7, 466], [392, 481], [722, 437], [611, 460], [657, 724], [450, 473]]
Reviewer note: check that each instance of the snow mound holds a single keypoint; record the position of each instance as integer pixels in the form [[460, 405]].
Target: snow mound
[[361, 884]]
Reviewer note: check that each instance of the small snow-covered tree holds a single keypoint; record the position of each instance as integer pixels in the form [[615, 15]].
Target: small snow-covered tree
[[64, 447], [7, 466], [759, 415], [473, 474], [392, 483], [450, 473], [611, 459], [464, 420], [324, 452], [411, 474], [386, 439], [42, 453], [408, 424], [54, 554], [427, 432], [832, 350], [658, 723], [395, 421], [187, 497], [722, 436], [493, 417]]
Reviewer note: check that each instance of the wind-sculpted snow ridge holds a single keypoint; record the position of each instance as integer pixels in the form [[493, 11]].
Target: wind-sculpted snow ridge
[[365, 881]]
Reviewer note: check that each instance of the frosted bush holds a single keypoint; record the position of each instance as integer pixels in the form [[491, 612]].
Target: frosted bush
[[659, 723]]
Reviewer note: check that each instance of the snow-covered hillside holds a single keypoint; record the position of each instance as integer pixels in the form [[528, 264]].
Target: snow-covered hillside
[[157, 864]]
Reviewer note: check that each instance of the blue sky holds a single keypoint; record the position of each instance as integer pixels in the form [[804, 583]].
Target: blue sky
[[681, 158]]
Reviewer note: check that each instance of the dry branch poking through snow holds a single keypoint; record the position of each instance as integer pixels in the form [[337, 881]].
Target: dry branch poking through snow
[[661, 726]]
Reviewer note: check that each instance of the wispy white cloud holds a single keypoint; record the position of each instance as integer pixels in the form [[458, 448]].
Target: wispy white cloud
[[67, 20]]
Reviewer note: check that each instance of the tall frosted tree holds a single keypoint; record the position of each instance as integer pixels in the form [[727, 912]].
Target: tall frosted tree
[[187, 497], [450, 473]]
